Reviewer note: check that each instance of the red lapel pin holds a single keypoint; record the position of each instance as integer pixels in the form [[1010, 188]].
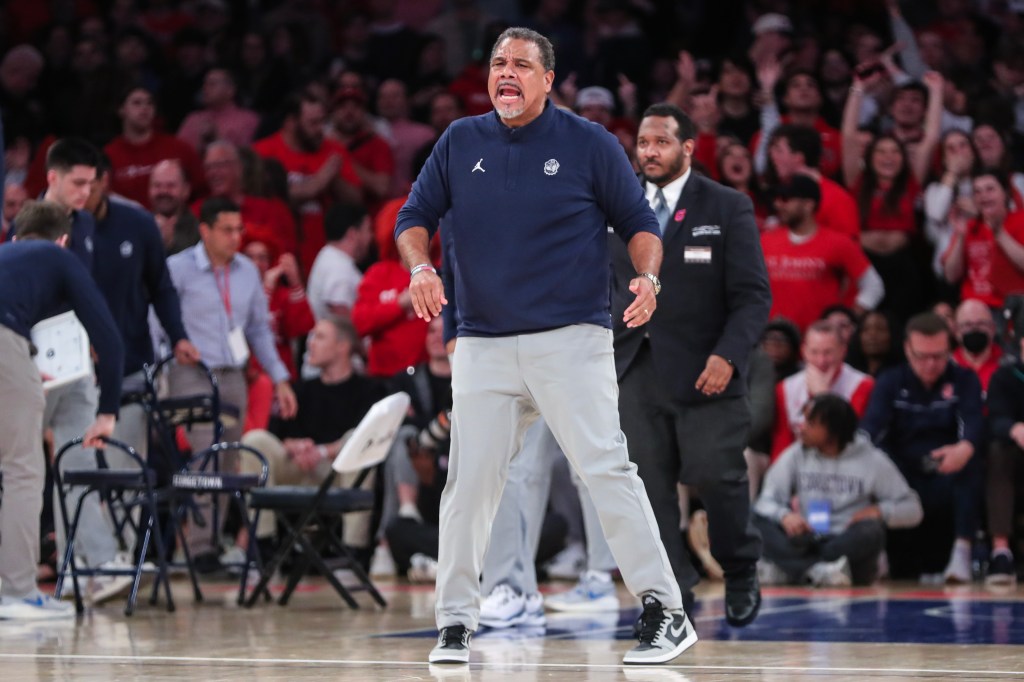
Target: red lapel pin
[[680, 215]]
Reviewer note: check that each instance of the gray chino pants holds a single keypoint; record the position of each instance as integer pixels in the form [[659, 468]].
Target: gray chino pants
[[22, 463], [499, 387]]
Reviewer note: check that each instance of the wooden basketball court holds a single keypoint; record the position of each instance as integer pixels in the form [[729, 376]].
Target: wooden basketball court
[[887, 633]]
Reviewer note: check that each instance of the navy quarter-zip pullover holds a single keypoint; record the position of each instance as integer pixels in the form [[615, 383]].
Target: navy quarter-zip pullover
[[527, 210]]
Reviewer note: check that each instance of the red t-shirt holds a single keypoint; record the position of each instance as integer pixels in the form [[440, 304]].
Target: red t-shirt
[[903, 220], [806, 278], [299, 166], [837, 210], [987, 369], [133, 164], [372, 152], [471, 88], [990, 275], [397, 337]]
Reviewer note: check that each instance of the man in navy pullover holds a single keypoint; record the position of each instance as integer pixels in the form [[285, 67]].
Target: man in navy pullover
[[131, 271], [927, 415], [527, 192], [134, 275], [37, 277]]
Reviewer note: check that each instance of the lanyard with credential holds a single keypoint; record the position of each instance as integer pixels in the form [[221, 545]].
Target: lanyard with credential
[[225, 292]]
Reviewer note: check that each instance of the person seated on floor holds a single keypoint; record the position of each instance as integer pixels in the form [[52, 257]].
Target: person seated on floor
[[300, 450], [848, 491], [926, 414], [1005, 458]]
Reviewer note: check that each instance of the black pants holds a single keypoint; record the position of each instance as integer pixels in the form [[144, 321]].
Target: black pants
[[861, 544], [698, 445], [952, 509]]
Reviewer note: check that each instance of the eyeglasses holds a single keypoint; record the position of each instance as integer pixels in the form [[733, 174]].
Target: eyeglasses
[[942, 356]]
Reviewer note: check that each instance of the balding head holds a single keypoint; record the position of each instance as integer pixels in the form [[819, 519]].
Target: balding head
[[168, 188], [972, 310], [20, 69], [15, 197], [223, 166], [975, 327]]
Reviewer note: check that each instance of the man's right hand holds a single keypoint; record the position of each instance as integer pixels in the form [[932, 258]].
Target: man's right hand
[[794, 524], [102, 428], [427, 292], [1017, 434], [303, 452]]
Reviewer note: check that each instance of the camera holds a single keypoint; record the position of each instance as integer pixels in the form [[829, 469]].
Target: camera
[[437, 432]]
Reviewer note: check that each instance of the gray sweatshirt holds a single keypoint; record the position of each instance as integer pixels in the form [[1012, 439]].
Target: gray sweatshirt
[[862, 475]]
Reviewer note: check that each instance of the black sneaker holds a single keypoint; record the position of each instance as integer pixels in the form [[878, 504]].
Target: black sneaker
[[452, 645], [663, 634], [1001, 570]]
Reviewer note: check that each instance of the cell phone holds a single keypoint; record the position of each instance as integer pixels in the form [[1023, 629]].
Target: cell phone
[[930, 465]]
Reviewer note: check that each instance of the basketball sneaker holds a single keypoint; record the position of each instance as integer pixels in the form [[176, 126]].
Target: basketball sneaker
[[452, 645], [34, 607], [502, 608], [664, 634]]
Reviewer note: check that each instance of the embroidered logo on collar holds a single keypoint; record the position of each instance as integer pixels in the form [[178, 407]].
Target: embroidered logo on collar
[[478, 167], [707, 231], [126, 249], [550, 167]]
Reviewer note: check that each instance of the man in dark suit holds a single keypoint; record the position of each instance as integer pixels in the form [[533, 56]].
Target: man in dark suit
[[682, 377]]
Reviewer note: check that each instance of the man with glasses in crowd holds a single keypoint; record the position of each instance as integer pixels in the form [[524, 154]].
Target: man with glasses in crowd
[[927, 415]]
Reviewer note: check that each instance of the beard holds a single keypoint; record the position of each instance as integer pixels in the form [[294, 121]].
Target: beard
[[510, 113], [165, 205], [672, 170]]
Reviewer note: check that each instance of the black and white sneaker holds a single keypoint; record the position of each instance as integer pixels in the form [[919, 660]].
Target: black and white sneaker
[[663, 634], [452, 645], [1001, 570]]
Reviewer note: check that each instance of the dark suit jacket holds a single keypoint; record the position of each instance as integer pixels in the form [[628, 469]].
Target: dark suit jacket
[[718, 306]]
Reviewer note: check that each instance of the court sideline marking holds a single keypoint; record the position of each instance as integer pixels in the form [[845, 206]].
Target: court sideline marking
[[419, 664]]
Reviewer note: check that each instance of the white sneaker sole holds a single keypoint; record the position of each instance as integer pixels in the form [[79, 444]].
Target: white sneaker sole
[[31, 613], [502, 623], [1001, 580], [117, 586], [448, 657], [685, 644], [601, 605]]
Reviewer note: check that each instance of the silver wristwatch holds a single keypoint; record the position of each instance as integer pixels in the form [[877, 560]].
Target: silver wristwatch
[[654, 280]]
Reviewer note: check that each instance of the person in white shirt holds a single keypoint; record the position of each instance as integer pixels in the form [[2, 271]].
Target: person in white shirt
[[335, 277]]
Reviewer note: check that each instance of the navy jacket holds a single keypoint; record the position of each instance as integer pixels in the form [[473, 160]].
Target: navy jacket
[[38, 277], [527, 209], [908, 421], [1006, 401], [718, 306], [131, 270]]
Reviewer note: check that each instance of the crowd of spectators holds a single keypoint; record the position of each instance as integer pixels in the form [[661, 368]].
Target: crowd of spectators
[[881, 143]]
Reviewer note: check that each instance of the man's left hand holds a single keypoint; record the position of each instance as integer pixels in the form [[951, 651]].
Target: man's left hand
[[642, 308], [185, 353], [716, 375], [286, 400], [953, 458]]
